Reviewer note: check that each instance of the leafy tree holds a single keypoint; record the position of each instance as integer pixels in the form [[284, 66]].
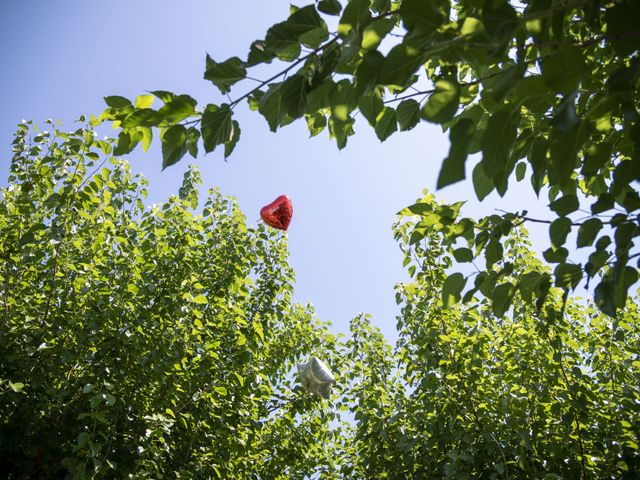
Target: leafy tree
[[547, 87], [146, 342], [548, 392], [161, 343]]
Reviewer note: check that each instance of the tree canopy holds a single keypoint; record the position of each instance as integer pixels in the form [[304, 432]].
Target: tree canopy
[[161, 342], [544, 89]]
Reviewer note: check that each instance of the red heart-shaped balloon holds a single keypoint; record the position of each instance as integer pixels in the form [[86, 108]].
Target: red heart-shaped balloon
[[278, 213]]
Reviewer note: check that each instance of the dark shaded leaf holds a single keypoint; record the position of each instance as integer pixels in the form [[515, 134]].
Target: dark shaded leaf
[[216, 126], [193, 136], [355, 17], [463, 255], [443, 103], [498, 140], [558, 231], [499, 19], [623, 19], [226, 73], [387, 123], [117, 102], [482, 183], [563, 70], [568, 275], [565, 205], [174, 145], [400, 64], [452, 289], [452, 169], [330, 7], [502, 298], [408, 113], [230, 146]]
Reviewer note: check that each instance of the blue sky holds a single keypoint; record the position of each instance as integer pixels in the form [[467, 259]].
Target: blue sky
[[61, 58]]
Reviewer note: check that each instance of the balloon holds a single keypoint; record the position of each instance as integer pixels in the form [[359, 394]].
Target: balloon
[[278, 213], [316, 377]]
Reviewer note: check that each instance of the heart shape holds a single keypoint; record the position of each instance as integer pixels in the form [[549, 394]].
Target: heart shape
[[278, 213]]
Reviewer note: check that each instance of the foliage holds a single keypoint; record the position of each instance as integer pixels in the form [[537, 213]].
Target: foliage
[[469, 393], [160, 343], [545, 86], [145, 342]]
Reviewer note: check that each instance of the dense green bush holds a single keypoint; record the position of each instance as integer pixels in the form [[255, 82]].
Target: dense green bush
[[161, 343], [152, 342], [467, 393]]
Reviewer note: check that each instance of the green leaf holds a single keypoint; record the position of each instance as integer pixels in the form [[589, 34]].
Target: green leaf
[[374, 33], [528, 283], [230, 146], [163, 95], [216, 126], [502, 297], [564, 146], [117, 102], [425, 16], [493, 252], [538, 160], [147, 137], [400, 64], [193, 136], [142, 118], [452, 169], [340, 130], [222, 390], [342, 99], [605, 202], [355, 17], [568, 275], [563, 70], [588, 232], [408, 114], [452, 288], [282, 40], [498, 140], [16, 387], [271, 107], [565, 205], [386, 123], [316, 123], [604, 296], [558, 231], [463, 255], [127, 141], [309, 26], [293, 95], [366, 76], [443, 103], [144, 101], [330, 7], [555, 255], [482, 183], [500, 19], [178, 108], [174, 145], [200, 299], [370, 106], [259, 53], [226, 73], [521, 171], [623, 19]]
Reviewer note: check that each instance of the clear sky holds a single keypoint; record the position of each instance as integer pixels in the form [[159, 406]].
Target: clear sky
[[59, 59]]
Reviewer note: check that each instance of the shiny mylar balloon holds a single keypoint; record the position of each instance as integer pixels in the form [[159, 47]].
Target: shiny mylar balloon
[[316, 377], [278, 213]]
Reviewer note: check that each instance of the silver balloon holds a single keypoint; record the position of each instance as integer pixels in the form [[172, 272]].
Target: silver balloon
[[316, 377]]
